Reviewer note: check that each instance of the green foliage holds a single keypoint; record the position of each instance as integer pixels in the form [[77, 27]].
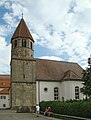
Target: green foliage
[[86, 90], [69, 107]]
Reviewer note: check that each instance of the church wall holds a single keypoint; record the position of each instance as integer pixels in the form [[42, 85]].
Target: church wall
[[68, 89], [49, 94], [65, 88], [79, 84]]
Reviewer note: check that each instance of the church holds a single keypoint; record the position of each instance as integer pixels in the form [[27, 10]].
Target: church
[[34, 80]]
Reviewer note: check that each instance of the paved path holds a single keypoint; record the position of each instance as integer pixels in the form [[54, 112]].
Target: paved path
[[12, 115]]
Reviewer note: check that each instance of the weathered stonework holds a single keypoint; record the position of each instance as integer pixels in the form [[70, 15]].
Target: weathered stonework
[[23, 87], [26, 52], [23, 94], [23, 69]]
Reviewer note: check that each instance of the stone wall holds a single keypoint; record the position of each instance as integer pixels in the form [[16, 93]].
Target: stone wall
[[23, 83], [23, 94], [23, 70]]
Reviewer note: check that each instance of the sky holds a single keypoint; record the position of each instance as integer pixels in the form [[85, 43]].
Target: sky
[[61, 29]]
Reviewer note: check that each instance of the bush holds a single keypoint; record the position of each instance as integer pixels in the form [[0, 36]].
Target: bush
[[81, 108]]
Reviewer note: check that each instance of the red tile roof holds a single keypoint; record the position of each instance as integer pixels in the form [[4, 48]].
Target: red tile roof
[[4, 91], [22, 31], [4, 81], [57, 70]]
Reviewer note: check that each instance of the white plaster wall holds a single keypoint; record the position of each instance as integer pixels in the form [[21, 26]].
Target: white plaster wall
[[4, 101], [49, 95], [68, 89]]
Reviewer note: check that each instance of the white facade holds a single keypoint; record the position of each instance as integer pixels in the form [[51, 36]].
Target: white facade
[[4, 101], [66, 90]]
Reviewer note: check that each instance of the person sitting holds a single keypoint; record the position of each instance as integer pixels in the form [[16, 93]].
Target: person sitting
[[46, 112], [49, 111]]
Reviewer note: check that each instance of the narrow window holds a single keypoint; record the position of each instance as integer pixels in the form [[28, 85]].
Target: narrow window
[[77, 93], [24, 76], [31, 46], [15, 43], [23, 43], [56, 93], [4, 105]]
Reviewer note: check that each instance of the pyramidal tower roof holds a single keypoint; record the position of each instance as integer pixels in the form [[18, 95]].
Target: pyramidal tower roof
[[22, 31]]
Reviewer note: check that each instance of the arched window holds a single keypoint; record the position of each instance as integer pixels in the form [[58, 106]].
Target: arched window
[[76, 92], [56, 93], [15, 43], [23, 43]]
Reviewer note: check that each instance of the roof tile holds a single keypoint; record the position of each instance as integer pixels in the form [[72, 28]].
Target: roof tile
[[22, 31], [55, 70], [4, 91]]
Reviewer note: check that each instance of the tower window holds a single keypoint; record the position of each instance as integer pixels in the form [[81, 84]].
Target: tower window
[[31, 45], [15, 43], [24, 76], [23, 43]]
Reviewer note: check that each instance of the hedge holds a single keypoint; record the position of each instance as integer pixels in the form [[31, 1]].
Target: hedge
[[72, 107]]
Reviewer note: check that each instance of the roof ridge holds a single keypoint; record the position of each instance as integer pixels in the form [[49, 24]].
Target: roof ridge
[[57, 61], [4, 74]]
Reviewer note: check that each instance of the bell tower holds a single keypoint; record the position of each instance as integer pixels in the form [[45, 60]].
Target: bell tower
[[23, 83], [22, 42]]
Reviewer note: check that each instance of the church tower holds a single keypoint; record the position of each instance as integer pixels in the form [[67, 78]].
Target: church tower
[[23, 83]]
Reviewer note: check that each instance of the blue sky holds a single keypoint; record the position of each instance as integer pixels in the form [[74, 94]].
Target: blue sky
[[61, 29]]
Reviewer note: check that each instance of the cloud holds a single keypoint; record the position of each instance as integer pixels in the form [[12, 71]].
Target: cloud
[[64, 27], [4, 56], [51, 58], [9, 19]]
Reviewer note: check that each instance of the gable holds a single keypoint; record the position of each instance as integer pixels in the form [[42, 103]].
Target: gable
[[70, 75]]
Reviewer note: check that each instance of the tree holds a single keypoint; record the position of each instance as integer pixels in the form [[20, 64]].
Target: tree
[[86, 90]]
